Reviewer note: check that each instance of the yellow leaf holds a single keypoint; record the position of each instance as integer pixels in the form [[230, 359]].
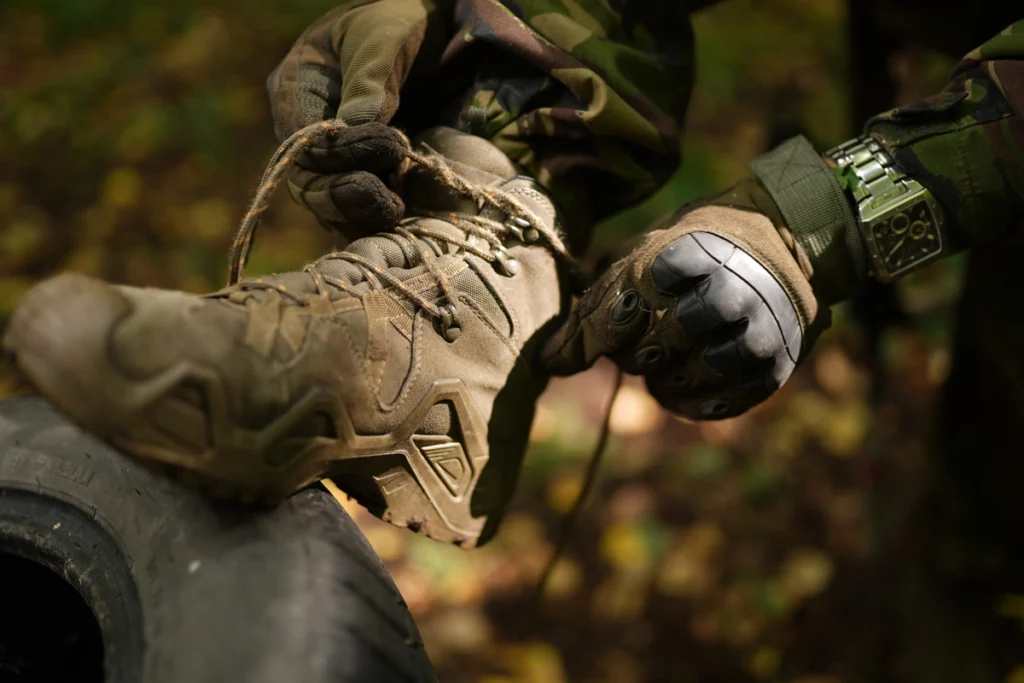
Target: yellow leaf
[[19, 239], [764, 663], [840, 425], [121, 188], [805, 573], [210, 219], [565, 579], [624, 547], [687, 569], [242, 104], [1016, 675], [532, 663], [1010, 606], [12, 289], [785, 438], [682, 574], [844, 431], [563, 490], [810, 408]]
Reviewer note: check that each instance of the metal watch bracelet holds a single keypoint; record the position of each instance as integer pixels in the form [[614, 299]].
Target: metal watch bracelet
[[902, 224]]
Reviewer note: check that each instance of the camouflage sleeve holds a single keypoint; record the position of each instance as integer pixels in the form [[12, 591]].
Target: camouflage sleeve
[[587, 95], [966, 144]]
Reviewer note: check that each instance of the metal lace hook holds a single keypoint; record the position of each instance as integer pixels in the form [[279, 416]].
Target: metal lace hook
[[451, 327]]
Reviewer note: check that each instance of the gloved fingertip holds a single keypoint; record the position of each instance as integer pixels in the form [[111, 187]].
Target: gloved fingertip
[[371, 147], [562, 354], [390, 208]]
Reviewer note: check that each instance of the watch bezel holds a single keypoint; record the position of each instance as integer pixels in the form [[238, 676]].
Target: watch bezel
[[874, 210]]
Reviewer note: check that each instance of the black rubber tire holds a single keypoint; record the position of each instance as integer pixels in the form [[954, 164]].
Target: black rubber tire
[[188, 590]]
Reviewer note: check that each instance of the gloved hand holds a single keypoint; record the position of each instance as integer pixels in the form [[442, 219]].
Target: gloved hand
[[350, 65], [715, 311]]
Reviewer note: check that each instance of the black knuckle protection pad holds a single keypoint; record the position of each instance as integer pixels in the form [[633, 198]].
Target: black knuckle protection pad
[[742, 316]]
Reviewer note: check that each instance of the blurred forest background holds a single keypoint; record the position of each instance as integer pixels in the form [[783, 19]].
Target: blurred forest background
[[771, 547]]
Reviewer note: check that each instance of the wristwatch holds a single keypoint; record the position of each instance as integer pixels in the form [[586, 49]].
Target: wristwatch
[[902, 224]]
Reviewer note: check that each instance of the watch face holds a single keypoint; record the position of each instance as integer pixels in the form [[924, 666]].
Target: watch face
[[907, 237]]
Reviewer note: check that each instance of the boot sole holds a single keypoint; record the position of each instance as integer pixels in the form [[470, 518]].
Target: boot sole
[[58, 338]]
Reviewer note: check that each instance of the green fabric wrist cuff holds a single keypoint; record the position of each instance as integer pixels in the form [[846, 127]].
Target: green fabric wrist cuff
[[819, 215]]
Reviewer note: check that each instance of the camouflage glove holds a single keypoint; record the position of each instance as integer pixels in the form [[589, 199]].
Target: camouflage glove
[[714, 311], [350, 65]]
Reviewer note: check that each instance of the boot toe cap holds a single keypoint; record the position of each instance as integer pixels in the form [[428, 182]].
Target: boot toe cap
[[59, 338]]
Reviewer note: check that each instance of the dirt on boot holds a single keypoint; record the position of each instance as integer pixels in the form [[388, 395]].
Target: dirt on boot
[[403, 367]]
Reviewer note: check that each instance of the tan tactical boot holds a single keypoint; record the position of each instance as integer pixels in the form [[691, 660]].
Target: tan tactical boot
[[402, 367]]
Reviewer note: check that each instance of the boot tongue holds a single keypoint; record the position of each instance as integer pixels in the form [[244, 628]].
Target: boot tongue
[[473, 158]]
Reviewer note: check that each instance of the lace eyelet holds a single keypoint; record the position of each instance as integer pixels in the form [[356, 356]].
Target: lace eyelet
[[522, 229], [451, 328], [505, 264]]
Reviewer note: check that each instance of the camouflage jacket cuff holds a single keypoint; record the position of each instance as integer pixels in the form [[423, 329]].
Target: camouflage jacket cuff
[[963, 145], [818, 213]]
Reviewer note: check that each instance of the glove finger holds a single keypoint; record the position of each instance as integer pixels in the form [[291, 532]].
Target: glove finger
[[689, 260], [581, 340], [697, 400], [737, 289], [372, 147], [352, 62], [720, 301], [306, 86], [757, 342], [608, 320], [354, 203]]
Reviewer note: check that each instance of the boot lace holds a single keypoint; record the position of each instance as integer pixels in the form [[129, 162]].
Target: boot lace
[[522, 224], [484, 237]]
